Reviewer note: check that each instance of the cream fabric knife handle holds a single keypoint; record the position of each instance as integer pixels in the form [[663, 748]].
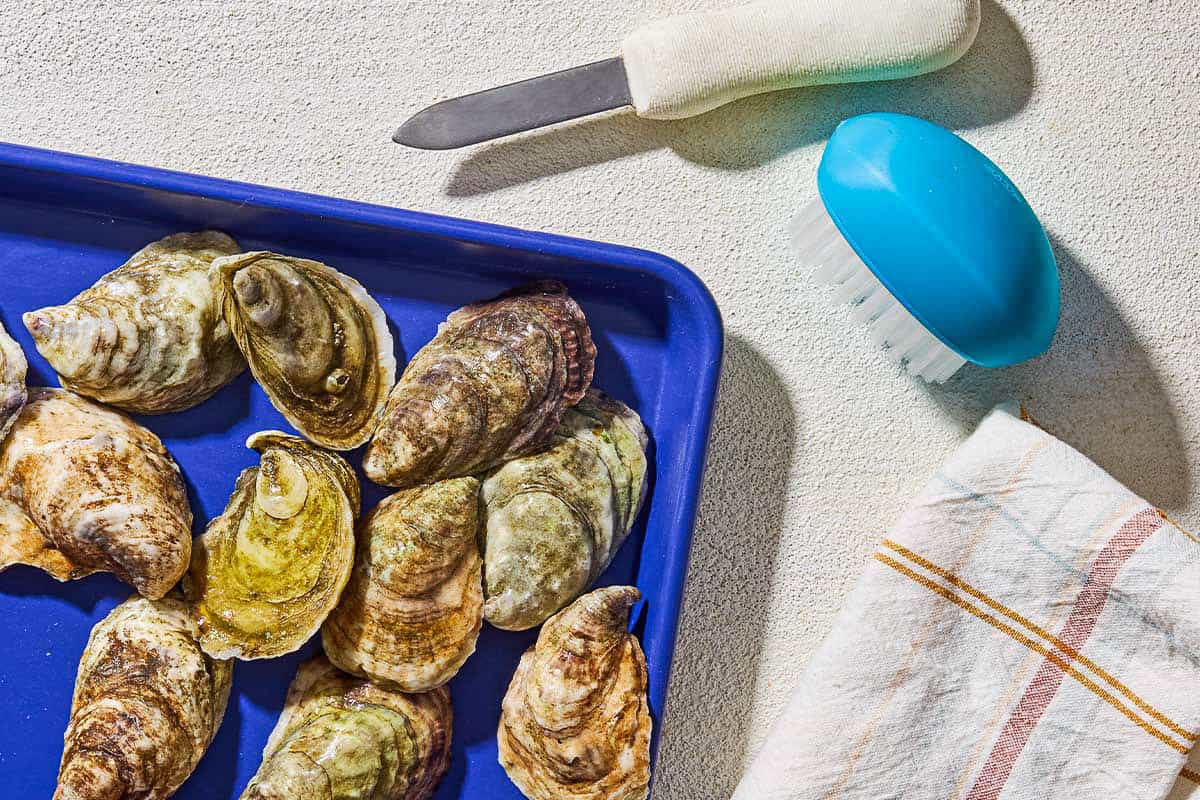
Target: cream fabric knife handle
[[685, 65]]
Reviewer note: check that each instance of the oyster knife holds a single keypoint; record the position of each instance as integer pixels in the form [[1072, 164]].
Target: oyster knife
[[520, 106], [685, 65]]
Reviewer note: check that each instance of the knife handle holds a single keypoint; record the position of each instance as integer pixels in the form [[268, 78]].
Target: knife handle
[[686, 65]]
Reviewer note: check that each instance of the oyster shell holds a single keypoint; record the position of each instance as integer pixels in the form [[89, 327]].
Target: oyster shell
[[413, 608], [575, 723], [491, 385], [148, 337], [316, 342], [85, 489], [556, 519], [12, 381], [343, 738], [267, 572], [147, 705]]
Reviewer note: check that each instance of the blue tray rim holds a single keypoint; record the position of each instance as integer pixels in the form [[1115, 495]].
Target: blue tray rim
[[691, 288]]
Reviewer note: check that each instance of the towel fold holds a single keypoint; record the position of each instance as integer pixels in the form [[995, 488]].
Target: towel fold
[[1029, 630]]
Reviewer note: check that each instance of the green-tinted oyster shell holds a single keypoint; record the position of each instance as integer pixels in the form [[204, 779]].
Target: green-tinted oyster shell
[[343, 738], [267, 572], [555, 520], [316, 342], [491, 386], [413, 608], [149, 337]]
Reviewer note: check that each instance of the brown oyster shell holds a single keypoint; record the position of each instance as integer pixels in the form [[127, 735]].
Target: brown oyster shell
[[150, 336], [12, 381], [267, 571], [317, 343], [147, 705], [555, 519], [492, 385], [411, 614], [576, 722], [85, 489], [344, 738]]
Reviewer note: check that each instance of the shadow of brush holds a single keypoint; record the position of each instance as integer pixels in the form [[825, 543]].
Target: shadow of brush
[[1097, 389], [729, 581], [992, 82]]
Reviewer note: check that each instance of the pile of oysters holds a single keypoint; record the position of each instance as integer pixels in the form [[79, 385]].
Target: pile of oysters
[[516, 483]]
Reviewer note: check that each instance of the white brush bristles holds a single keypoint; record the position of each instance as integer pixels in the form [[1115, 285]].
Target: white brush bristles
[[821, 247]]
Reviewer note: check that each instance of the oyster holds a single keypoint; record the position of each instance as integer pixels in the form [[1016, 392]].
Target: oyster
[[148, 337], [492, 385], [576, 722], [413, 608], [85, 489], [343, 738], [12, 381], [147, 704], [267, 572], [556, 519], [316, 342]]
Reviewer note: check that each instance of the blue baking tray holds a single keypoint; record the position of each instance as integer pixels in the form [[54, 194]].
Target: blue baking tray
[[65, 220]]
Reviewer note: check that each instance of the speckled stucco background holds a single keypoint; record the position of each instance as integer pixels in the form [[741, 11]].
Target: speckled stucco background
[[1088, 104]]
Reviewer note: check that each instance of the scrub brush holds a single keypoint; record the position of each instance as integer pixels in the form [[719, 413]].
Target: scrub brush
[[937, 250]]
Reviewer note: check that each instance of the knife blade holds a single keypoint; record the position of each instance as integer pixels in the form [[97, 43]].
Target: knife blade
[[685, 65], [521, 106]]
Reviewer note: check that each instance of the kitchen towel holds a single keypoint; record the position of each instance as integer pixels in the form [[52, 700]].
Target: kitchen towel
[[1029, 630]]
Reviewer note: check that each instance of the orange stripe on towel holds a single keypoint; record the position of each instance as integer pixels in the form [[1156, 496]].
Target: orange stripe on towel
[[1177, 526], [1033, 627], [1037, 647], [1080, 624], [906, 664]]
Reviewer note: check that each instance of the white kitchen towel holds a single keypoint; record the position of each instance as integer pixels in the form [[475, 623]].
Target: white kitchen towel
[[1029, 630]]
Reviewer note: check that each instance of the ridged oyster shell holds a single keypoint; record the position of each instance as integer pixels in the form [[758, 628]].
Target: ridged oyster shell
[[12, 381], [413, 608], [343, 738], [554, 520], [147, 705], [85, 489], [317, 343], [576, 721], [491, 385], [267, 572], [150, 336]]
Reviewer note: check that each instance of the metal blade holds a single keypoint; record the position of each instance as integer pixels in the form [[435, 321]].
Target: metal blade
[[517, 107]]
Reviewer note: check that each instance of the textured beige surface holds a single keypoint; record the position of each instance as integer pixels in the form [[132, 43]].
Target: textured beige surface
[[1088, 104]]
